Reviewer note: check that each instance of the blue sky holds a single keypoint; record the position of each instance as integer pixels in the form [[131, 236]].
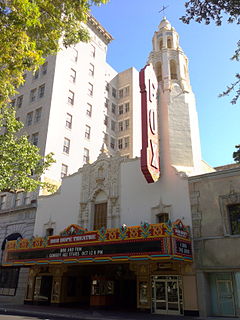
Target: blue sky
[[208, 48]]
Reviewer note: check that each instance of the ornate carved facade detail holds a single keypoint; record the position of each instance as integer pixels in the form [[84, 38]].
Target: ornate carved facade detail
[[101, 176]]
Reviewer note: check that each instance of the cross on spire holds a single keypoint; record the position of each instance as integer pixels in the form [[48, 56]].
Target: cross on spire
[[163, 10]]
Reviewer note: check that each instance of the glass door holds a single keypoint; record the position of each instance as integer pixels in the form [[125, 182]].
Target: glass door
[[225, 298], [167, 295]]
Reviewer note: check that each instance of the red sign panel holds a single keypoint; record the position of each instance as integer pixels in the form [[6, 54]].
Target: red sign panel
[[150, 164]]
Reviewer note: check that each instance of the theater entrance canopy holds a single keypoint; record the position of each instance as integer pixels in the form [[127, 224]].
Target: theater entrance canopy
[[75, 245]]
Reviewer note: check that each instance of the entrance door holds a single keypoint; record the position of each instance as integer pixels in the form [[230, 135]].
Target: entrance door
[[43, 289], [225, 298], [166, 295]]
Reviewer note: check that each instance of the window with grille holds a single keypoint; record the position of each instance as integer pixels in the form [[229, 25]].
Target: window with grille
[[234, 218]]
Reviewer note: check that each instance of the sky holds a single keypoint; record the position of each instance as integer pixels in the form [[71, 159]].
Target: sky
[[209, 48]]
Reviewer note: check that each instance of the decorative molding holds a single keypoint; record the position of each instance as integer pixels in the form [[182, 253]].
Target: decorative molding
[[101, 176]]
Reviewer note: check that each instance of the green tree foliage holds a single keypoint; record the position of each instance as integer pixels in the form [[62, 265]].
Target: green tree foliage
[[207, 10], [236, 154], [29, 31]]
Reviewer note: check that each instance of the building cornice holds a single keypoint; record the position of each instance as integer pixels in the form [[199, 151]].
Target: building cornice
[[92, 22], [215, 175]]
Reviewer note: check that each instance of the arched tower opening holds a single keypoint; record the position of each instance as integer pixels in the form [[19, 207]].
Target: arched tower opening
[[158, 70], [173, 70]]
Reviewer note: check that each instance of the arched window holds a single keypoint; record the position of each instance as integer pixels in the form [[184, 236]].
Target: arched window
[[159, 71], [173, 69], [160, 44], [169, 43]]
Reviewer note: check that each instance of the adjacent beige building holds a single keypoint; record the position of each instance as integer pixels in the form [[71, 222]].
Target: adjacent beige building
[[215, 205]]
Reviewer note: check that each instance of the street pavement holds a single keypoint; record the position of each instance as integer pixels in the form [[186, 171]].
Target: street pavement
[[30, 312]]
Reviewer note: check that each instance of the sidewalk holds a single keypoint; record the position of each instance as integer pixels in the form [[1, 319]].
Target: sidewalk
[[90, 314], [84, 314]]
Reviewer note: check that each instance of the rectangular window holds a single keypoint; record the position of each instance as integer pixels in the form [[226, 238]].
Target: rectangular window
[[72, 75], [106, 103], [33, 95], [113, 108], [126, 107], [234, 218], [70, 97], [29, 118], [126, 124], [126, 142], [120, 144], [123, 92], [120, 109], [35, 138], [74, 55], [106, 86], [105, 138], [112, 143], [36, 74], [91, 70], [3, 199], [100, 216], [20, 101], [66, 145], [106, 120], [41, 91], [38, 114], [24, 80], [44, 68], [89, 110], [87, 132], [64, 170], [114, 92], [68, 123], [120, 126], [85, 155], [92, 51], [113, 125], [90, 89]]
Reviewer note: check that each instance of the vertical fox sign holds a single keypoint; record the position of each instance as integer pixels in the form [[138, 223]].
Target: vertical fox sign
[[150, 164]]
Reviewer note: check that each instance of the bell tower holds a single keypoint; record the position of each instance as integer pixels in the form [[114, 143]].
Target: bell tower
[[178, 120]]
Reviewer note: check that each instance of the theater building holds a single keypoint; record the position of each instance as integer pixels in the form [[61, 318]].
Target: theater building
[[118, 231]]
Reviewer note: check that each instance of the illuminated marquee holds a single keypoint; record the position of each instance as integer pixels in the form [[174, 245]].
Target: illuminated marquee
[[76, 245], [150, 164]]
